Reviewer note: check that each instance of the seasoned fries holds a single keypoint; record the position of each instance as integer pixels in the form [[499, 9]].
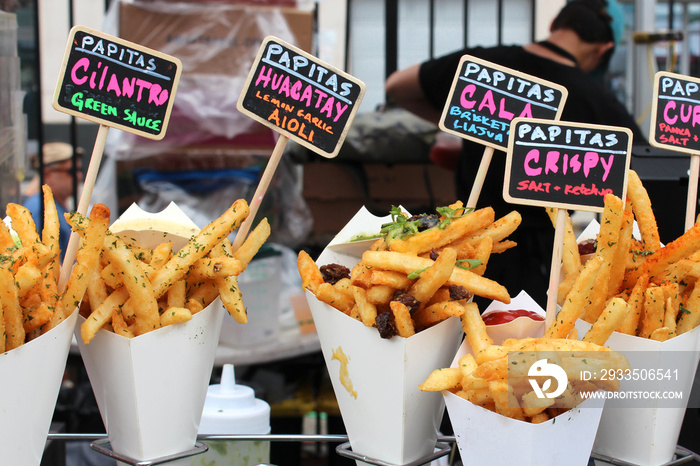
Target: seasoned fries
[[423, 270], [13, 315], [656, 283], [137, 291], [628, 284], [117, 286], [32, 304], [87, 258], [498, 377]]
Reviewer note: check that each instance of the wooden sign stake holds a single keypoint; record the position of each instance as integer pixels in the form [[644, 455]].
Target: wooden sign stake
[[480, 177], [260, 191], [693, 174], [555, 269], [84, 202]]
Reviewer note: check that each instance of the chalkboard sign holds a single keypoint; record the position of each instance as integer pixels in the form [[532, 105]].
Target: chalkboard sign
[[117, 83], [566, 165], [485, 97], [301, 97], [675, 115]]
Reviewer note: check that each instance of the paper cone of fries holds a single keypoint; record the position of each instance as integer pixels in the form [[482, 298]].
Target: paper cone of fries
[[641, 425], [480, 433], [150, 389], [376, 380], [31, 379]]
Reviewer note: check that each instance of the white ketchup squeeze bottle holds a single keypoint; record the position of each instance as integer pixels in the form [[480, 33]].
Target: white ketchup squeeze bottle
[[230, 408]]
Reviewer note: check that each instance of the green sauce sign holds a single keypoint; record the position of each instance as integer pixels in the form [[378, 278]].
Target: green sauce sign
[[116, 83]]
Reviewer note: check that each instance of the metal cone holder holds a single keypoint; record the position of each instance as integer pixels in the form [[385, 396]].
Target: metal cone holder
[[443, 446], [99, 447], [345, 450]]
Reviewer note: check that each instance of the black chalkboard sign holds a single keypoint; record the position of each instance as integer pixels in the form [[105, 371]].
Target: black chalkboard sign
[[485, 97], [117, 83], [566, 165], [301, 97], [675, 115]]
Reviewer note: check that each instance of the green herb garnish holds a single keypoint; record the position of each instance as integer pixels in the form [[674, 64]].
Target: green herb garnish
[[450, 214], [416, 273], [471, 263], [401, 227]]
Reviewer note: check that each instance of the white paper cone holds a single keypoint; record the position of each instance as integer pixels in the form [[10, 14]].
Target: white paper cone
[[481, 433], [644, 435], [31, 379], [389, 419], [386, 416], [150, 389], [647, 434], [484, 437]]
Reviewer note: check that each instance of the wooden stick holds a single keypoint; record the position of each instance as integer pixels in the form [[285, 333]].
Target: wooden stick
[[260, 191], [480, 177], [555, 269], [84, 203], [692, 191]]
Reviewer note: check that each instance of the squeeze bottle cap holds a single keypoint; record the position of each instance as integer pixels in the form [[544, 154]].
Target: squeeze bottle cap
[[230, 408]]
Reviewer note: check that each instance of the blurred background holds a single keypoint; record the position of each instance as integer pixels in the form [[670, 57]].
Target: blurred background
[[217, 40], [212, 154]]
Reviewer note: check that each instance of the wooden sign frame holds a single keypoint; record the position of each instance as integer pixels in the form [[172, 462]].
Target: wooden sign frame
[[105, 95], [666, 135], [273, 112], [505, 82], [586, 142], [94, 66], [686, 89], [301, 79]]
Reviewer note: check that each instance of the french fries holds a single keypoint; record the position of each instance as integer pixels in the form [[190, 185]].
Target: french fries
[[137, 291], [498, 377], [657, 283], [87, 258], [31, 303], [114, 284], [422, 270]]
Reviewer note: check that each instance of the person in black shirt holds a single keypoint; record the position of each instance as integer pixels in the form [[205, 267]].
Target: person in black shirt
[[582, 39]]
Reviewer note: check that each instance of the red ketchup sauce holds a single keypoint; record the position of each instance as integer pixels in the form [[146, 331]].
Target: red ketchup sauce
[[502, 317]]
